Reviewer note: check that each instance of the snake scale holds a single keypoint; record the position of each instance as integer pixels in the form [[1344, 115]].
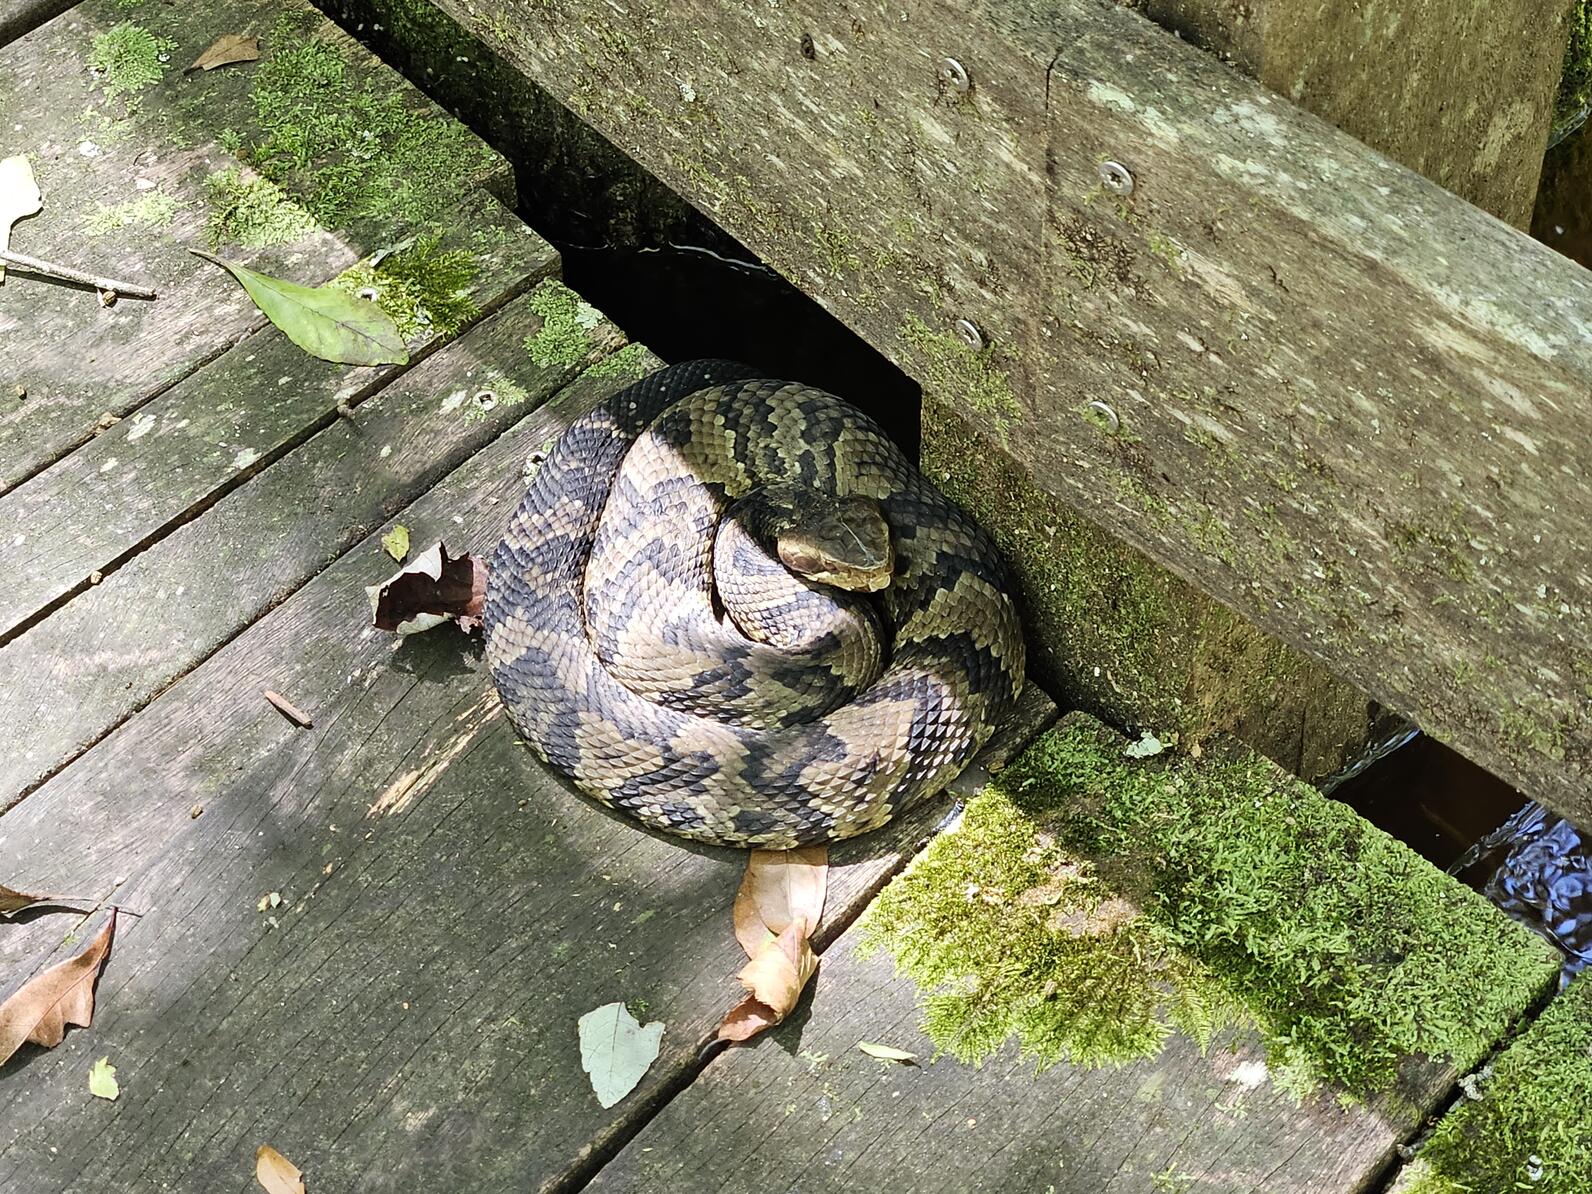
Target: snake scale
[[731, 608]]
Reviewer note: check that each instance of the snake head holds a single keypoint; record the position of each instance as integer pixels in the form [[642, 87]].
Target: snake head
[[839, 541]]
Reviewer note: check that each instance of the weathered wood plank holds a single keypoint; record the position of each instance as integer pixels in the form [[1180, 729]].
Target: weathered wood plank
[[136, 481], [133, 173], [408, 1022], [1053, 943], [1342, 404], [1462, 93], [105, 654], [23, 16]]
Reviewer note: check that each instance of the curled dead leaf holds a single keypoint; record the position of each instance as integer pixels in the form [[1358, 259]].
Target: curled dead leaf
[[774, 980], [779, 888], [432, 588], [276, 1173], [42, 1007]]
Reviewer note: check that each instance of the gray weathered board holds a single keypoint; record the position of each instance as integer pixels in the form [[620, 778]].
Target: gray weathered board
[[405, 1018], [806, 1110], [1346, 403], [93, 152], [19, 16]]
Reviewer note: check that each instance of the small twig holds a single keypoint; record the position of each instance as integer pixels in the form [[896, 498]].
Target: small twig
[[289, 710], [68, 274]]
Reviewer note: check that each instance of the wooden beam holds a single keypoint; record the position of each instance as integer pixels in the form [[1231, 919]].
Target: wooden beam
[[1338, 399], [1460, 92]]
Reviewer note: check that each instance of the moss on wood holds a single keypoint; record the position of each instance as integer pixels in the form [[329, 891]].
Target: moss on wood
[[423, 286], [1531, 1128], [564, 337], [1091, 903], [127, 58]]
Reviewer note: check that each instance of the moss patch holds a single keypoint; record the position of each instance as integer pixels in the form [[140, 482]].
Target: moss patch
[[1234, 893], [252, 212], [564, 337], [630, 363], [425, 288], [971, 376], [153, 210], [1531, 1129], [1575, 85], [126, 58], [352, 147]]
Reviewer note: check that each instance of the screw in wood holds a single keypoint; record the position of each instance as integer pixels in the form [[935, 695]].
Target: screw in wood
[[955, 76], [969, 334], [1102, 416], [1116, 178]]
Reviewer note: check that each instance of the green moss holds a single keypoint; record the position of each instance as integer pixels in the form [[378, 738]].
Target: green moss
[[425, 288], [353, 147], [1575, 86], [252, 212], [1531, 1129], [127, 58], [629, 363], [564, 337], [1238, 894], [963, 375], [152, 210]]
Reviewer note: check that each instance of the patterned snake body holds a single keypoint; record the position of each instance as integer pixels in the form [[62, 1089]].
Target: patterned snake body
[[658, 654]]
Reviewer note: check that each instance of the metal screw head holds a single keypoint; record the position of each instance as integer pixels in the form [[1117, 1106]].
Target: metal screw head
[[1104, 417], [1116, 178], [955, 76], [969, 334]]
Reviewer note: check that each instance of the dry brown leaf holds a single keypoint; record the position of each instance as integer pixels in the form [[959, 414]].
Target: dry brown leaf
[[276, 1173], [13, 901], [779, 888], [227, 49], [774, 980], [41, 1008], [432, 588]]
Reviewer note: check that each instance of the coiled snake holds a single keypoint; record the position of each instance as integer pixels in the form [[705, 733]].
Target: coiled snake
[[732, 609]]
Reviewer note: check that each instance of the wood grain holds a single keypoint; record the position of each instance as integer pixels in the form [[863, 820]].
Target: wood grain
[[406, 1019], [137, 480], [1347, 404], [109, 651], [75, 360]]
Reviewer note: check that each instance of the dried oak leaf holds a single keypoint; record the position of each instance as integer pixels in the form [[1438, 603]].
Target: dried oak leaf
[[276, 1173], [774, 980], [41, 1008], [13, 901], [432, 588], [226, 50]]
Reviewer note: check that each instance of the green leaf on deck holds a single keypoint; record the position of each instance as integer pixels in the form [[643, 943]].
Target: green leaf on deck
[[615, 1050], [396, 542], [102, 1080], [19, 196], [886, 1052], [324, 321]]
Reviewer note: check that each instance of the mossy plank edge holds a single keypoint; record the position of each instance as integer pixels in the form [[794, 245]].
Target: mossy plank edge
[[129, 485], [126, 159], [1144, 1107], [1354, 435], [1112, 632], [1481, 132], [1531, 1127], [1093, 902]]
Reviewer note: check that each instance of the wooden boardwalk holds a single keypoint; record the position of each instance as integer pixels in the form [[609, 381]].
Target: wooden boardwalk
[[192, 510]]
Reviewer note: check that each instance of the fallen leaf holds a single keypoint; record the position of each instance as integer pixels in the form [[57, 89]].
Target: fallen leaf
[[276, 1173], [41, 1008], [102, 1080], [13, 901], [779, 888], [616, 1050], [396, 542], [1147, 746], [774, 980], [226, 50], [886, 1052], [19, 196], [324, 321], [432, 588]]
